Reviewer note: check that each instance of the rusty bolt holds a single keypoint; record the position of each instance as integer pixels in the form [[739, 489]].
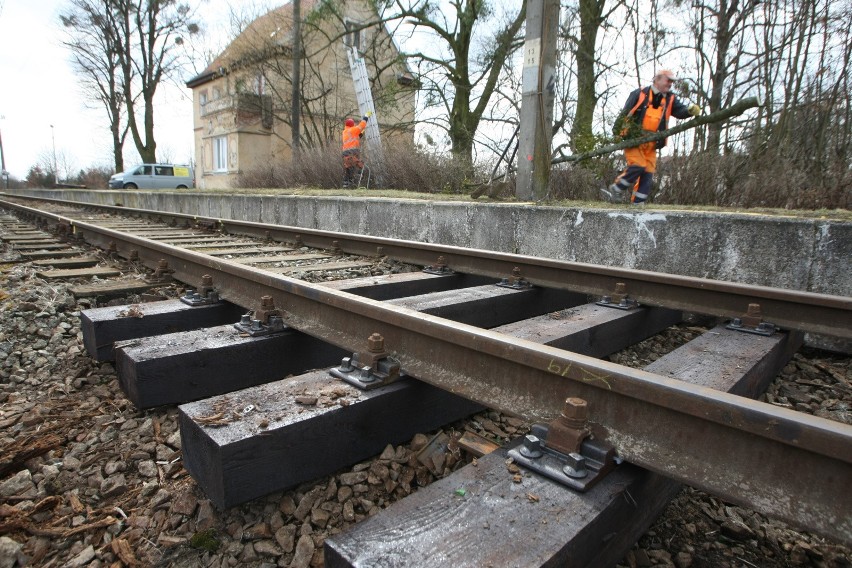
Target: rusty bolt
[[575, 409], [620, 288], [267, 303], [753, 316], [207, 280], [376, 343], [163, 264], [516, 272]]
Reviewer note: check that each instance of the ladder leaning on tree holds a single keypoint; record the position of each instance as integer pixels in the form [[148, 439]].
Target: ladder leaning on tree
[[364, 96]]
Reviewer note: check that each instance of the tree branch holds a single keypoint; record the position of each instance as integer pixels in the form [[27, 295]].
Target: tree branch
[[724, 114]]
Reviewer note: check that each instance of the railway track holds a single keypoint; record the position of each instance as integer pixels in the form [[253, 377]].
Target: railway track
[[459, 334]]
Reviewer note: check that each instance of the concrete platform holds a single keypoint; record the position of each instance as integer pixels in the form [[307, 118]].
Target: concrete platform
[[783, 252]]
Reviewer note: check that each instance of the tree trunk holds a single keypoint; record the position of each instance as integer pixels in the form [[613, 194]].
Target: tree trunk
[[582, 137]]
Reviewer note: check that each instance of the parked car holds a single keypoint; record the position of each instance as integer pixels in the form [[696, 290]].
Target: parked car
[[154, 176]]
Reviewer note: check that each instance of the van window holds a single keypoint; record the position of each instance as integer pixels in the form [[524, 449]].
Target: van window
[[164, 171], [142, 171]]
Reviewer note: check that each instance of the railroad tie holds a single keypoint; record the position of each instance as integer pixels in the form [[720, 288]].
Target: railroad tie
[[237, 460], [538, 521]]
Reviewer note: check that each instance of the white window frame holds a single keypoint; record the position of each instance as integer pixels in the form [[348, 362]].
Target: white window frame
[[220, 154]]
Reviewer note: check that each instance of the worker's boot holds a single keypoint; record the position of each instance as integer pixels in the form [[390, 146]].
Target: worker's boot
[[614, 193]]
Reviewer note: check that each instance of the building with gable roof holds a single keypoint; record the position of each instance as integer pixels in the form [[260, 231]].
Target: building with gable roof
[[242, 101]]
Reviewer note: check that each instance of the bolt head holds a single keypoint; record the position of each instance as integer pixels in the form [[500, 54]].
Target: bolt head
[[531, 447], [376, 343], [575, 408]]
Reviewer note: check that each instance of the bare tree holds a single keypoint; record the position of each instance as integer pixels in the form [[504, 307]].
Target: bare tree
[[94, 49], [149, 34], [460, 73], [125, 49]]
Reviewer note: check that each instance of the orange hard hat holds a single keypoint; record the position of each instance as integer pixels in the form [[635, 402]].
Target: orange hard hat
[[350, 123]]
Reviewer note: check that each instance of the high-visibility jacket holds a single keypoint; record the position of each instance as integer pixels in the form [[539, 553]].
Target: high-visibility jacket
[[352, 136], [650, 111]]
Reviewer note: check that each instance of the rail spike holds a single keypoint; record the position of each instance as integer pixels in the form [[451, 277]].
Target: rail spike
[[205, 296], [516, 281], [564, 450], [752, 322], [440, 267], [369, 369], [267, 319], [618, 299]]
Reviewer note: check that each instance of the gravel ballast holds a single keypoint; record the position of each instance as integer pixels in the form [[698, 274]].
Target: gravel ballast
[[86, 479]]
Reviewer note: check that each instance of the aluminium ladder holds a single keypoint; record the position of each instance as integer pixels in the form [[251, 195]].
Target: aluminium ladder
[[364, 96]]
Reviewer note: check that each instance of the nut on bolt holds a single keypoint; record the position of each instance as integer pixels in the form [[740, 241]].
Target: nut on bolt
[[576, 411], [376, 343], [753, 316], [531, 447]]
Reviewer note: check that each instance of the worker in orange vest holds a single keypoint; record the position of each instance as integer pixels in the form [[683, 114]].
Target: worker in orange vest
[[352, 163], [647, 110]]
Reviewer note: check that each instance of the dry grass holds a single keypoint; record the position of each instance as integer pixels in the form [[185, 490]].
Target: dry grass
[[723, 184]]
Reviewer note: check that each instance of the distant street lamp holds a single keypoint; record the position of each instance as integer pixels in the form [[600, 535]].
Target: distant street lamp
[[55, 167]]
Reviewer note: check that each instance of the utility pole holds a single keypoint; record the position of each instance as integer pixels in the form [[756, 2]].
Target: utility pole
[[55, 167], [3, 171], [295, 111], [539, 81]]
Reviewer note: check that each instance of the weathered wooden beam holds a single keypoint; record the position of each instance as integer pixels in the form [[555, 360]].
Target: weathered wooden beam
[[180, 367], [482, 525], [234, 463], [389, 286], [491, 305], [102, 327], [112, 290], [99, 271], [64, 253], [81, 262], [288, 438], [212, 361], [592, 329]]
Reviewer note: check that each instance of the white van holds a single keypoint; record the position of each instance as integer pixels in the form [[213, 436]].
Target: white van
[[154, 176]]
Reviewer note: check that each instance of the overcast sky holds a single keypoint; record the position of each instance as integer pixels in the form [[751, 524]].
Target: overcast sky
[[38, 89]]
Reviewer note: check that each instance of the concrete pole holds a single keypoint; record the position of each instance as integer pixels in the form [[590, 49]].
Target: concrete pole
[[3, 173], [55, 165], [539, 77]]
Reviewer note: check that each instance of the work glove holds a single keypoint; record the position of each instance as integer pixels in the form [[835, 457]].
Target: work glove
[[694, 110], [365, 118]]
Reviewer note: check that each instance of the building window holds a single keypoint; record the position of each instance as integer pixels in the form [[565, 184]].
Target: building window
[[220, 154], [354, 37], [202, 97], [259, 84]]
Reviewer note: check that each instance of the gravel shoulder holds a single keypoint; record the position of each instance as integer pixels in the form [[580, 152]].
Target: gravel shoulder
[[86, 479]]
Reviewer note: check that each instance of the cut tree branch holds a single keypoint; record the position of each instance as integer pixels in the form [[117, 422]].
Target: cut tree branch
[[724, 114]]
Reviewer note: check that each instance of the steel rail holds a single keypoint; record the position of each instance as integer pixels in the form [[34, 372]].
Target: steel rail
[[789, 309], [786, 464]]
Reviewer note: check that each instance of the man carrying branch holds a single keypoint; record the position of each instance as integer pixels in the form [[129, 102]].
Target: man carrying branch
[[647, 110]]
